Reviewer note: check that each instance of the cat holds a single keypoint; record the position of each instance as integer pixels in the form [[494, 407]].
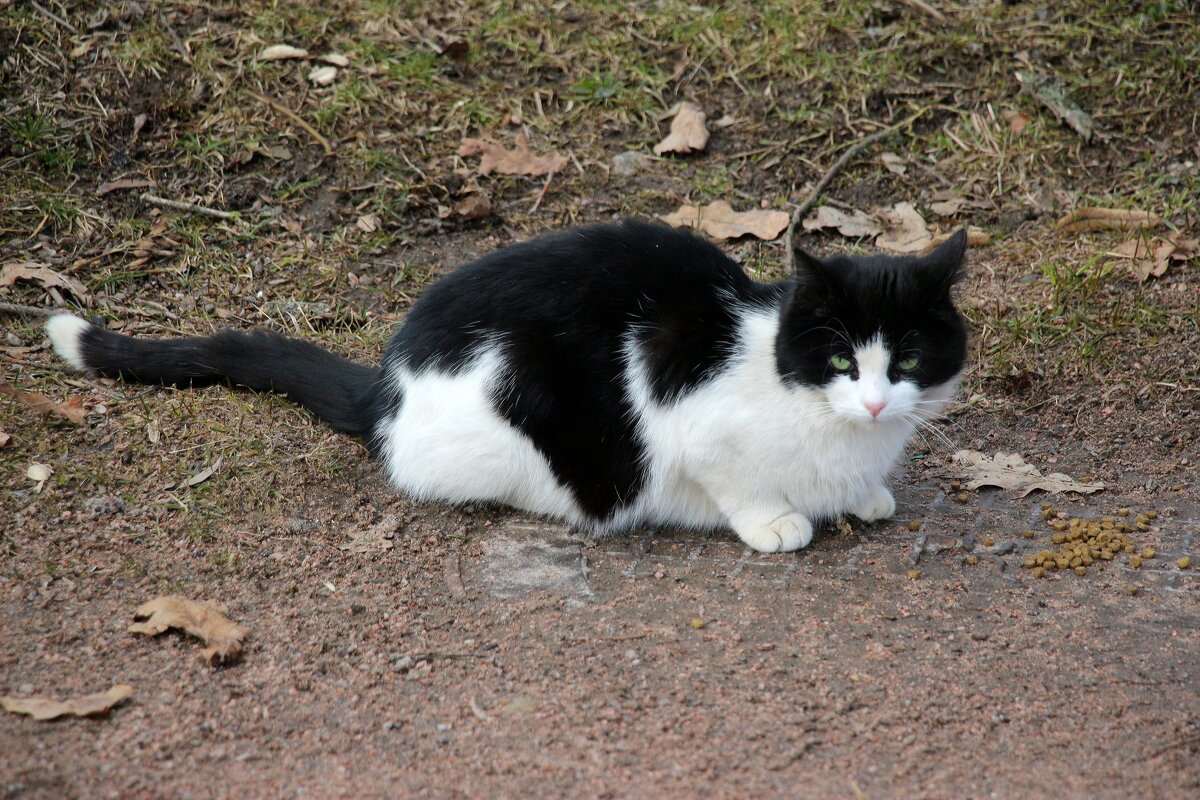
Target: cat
[[619, 375]]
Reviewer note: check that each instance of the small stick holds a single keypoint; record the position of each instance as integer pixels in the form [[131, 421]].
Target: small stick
[[50, 15], [477, 711], [29, 311], [542, 193], [296, 118], [176, 205], [851, 152], [925, 8]]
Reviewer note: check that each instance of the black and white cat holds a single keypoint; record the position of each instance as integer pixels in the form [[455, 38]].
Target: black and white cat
[[621, 375]]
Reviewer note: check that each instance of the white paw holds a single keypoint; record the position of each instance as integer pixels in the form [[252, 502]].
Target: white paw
[[781, 535], [878, 504]]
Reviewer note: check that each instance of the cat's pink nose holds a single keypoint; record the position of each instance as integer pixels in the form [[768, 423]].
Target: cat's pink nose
[[874, 408]]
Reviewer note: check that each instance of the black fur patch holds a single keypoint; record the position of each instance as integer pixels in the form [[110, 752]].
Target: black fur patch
[[338, 391]]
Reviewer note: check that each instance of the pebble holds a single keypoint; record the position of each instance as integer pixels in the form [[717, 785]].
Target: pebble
[[1003, 549], [403, 664], [12, 339]]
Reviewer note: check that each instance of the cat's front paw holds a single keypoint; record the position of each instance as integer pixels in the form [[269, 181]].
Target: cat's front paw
[[878, 504], [781, 535]]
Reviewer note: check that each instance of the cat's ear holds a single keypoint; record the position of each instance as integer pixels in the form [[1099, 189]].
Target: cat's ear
[[944, 264], [811, 275]]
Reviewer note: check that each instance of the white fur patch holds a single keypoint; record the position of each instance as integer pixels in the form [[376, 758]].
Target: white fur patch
[[447, 442], [66, 334]]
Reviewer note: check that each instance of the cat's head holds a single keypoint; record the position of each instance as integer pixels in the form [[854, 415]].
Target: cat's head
[[878, 335]]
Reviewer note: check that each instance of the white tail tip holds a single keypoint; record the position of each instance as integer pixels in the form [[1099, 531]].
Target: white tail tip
[[66, 334]]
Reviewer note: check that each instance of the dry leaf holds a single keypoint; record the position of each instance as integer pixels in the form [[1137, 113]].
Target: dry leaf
[[368, 223], [948, 208], [904, 229], [518, 161], [202, 620], [42, 708], [377, 537], [5, 439], [32, 271], [688, 132], [474, 205], [1107, 219], [720, 221], [1018, 124], [322, 76], [278, 52], [123, 183], [204, 474], [976, 237], [855, 224], [72, 410], [1009, 471], [38, 472], [893, 163], [1148, 263], [337, 59]]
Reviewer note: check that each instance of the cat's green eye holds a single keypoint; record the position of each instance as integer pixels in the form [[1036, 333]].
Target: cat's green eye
[[840, 363], [908, 364]]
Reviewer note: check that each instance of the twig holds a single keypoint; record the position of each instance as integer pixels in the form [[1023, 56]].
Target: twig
[[29, 311], [296, 118], [925, 8], [50, 15], [176, 205], [851, 152], [542, 193]]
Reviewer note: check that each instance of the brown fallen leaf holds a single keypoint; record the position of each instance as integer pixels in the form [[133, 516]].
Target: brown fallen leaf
[[853, 225], [43, 708], [39, 273], [688, 132], [1018, 123], [1152, 257], [721, 222], [474, 203], [5, 439], [1107, 219], [518, 161], [904, 229], [976, 237], [72, 410], [1009, 471], [202, 620]]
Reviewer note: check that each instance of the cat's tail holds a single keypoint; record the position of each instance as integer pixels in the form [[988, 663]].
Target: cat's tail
[[339, 392]]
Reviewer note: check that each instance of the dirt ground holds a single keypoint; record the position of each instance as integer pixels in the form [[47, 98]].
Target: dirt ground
[[402, 649]]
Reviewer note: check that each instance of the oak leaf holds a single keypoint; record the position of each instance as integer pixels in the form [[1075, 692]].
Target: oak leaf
[[72, 410], [41, 274], [517, 161], [721, 222], [1009, 471], [202, 620]]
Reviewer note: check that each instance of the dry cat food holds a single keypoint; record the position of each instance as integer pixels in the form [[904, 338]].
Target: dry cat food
[[1088, 542]]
